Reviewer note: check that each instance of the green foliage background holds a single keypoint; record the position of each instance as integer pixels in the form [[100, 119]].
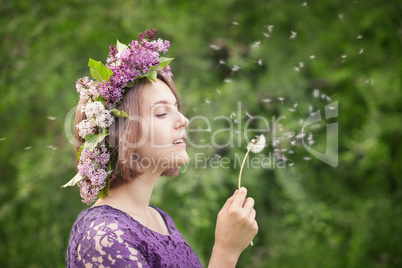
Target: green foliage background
[[310, 214]]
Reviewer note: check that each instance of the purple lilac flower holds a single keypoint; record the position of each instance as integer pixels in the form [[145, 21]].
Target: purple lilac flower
[[135, 61], [92, 166]]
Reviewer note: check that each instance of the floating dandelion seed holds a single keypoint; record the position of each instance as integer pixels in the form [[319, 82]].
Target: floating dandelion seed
[[291, 164], [266, 100], [361, 51], [227, 80], [256, 44], [207, 101], [359, 36], [235, 23], [293, 35], [270, 28], [312, 57], [260, 62], [235, 68], [255, 146], [281, 99], [218, 92], [316, 93], [305, 5], [51, 118], [27, 148], [340, 16], [307, 158], [51, 147], [344, 56], [2, 139], [214, 47], [250, 116], [222, 62]]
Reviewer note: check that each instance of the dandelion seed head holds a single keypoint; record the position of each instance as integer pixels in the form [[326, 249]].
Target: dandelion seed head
[[257, 145]]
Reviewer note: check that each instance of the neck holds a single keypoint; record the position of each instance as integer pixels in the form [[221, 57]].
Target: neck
[[133, 196]]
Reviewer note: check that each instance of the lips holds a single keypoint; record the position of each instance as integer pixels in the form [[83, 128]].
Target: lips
[[179, 140]]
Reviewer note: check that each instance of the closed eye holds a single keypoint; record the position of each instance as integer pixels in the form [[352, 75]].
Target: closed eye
[[161, 115]]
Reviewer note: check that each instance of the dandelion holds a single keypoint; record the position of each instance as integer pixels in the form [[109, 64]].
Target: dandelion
[[255, 146]]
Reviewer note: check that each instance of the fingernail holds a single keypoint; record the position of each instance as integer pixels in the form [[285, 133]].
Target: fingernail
[[235, 192]]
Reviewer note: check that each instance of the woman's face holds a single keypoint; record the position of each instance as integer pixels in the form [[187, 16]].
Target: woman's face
[[163, 129]]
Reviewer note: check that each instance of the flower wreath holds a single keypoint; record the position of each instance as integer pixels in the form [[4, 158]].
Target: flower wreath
[[125, 65]]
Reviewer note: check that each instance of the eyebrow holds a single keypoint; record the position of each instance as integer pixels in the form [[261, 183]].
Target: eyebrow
[[161, 102]]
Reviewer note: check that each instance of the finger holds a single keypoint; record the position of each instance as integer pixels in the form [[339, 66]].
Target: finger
[[229, 201], [253, 214], [239, 198], [249, 203]]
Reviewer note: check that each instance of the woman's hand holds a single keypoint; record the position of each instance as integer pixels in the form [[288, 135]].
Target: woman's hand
[[235, 229]]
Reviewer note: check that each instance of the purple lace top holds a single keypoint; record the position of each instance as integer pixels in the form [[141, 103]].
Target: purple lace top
[[107, 237]]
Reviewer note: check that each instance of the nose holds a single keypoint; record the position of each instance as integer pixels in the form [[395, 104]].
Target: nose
[[182, 121]]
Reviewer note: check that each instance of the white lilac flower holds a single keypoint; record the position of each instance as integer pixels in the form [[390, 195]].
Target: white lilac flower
[[86, 127], [86, 89], [105, 120], [93, 109]]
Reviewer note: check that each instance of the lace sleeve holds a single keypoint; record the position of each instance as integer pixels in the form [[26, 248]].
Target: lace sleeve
[[103, 244]]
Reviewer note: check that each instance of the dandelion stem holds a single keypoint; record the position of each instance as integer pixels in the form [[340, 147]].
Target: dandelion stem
[[241, 170], [242, 165]]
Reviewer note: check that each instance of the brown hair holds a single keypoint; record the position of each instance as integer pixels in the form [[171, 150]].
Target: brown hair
[[126, 131]]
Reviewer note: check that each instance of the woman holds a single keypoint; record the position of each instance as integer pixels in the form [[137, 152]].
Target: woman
[[121, 229]]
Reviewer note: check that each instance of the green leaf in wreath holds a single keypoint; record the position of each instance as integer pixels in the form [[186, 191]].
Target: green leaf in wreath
[[74, 180], [99, 71], [119, 113], [79, 151], [105, 190], [120, 47], [91, 141], [151, 74]]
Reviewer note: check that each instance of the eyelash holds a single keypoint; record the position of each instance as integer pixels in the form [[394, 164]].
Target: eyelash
[[161, 115]]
